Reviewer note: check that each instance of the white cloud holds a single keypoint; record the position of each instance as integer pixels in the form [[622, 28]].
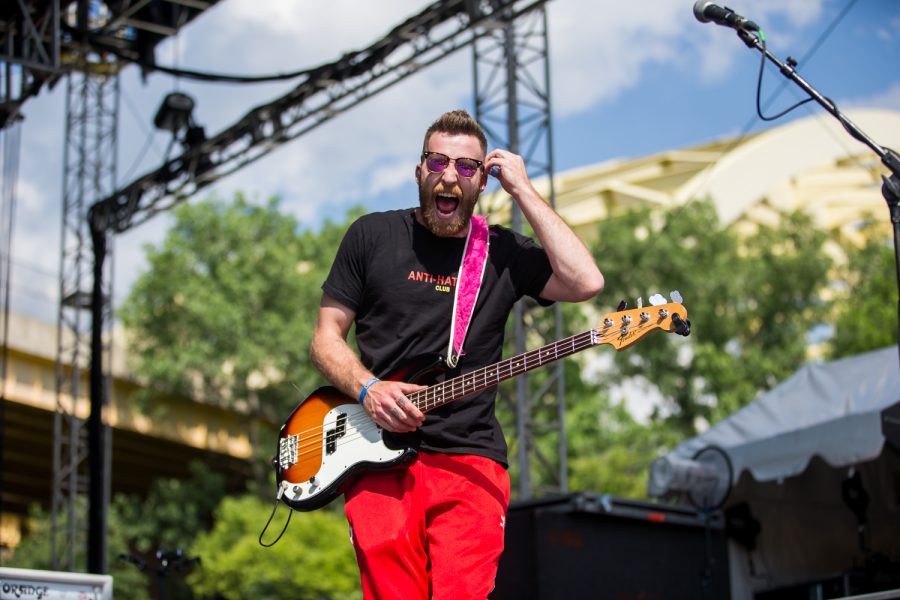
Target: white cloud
[[345, 24], [366, 150], [889, 99], [37, 226], [601, 48], [799, 13], [592, 48], [283, 35], [35, 254]]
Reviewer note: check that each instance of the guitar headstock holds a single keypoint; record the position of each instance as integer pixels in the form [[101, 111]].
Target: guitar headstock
[[623, 328]]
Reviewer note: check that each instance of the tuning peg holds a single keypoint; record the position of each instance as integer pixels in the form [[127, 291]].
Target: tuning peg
[[640, 302], [622, 305], [657, 299], [682, 326], [675, 295]]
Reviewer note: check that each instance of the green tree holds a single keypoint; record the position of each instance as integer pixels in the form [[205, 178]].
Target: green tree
[[169, 517], [173, 511], [314, 560], [225, 311], [866, 314], [33, 552], [752, 300], [609, 450], [224, 314]]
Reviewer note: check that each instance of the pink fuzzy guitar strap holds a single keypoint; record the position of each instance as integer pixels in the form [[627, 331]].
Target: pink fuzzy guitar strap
[[468, 282]]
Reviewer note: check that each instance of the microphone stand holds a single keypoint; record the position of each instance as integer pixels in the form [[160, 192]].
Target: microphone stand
[[890, 187]]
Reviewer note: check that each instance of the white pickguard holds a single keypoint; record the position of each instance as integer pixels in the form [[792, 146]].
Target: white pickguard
[[360, 442]]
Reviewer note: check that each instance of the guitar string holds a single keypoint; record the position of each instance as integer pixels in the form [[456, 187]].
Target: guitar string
[[313, 446], [311, 443]]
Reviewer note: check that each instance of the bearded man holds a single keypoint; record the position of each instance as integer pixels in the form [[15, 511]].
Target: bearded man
[[406, 279]]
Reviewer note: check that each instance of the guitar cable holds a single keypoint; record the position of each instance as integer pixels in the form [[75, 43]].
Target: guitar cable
[[269, 522]]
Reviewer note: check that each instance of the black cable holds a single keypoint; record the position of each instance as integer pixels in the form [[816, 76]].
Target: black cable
[[809, 54], [266, 526], [351, 63], [33, 266], [745, 130], [762, 64], [827, 33], [97, 43], [140, 157], [214, 77], [149, 141]]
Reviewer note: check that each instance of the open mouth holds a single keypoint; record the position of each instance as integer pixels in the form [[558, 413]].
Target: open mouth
[[446, 204]]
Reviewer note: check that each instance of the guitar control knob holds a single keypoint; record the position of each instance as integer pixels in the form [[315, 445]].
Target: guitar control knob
[[297, 490], [312, 480]]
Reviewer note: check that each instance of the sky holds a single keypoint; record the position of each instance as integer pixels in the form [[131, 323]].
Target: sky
[[627, 79]]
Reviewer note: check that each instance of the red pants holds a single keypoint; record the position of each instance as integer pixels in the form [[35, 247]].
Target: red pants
[[433, 529]]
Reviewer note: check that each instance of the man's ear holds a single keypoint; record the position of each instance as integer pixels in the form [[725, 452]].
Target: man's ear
[[418, 173], [484, 179]]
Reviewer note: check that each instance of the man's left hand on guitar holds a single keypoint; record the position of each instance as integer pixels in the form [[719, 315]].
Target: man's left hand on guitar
[[387, 404]]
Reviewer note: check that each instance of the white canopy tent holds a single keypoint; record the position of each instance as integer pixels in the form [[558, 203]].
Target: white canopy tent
[[831, 410], [793, 451]]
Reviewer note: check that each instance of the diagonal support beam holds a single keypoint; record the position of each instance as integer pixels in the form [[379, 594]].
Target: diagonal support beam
[[326, 91]]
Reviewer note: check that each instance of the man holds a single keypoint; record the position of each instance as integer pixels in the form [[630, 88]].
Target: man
[[434, 528]]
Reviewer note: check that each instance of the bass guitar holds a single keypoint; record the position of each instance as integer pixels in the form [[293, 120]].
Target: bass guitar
[[329, 437]]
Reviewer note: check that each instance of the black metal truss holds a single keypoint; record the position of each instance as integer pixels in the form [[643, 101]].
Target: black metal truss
[[89, 170], [42, 40], [512, 101], [325, 92], [442, 28], [29, 37], [90, 41]]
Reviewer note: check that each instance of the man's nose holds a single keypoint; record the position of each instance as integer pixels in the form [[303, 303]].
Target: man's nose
[[450, 174]]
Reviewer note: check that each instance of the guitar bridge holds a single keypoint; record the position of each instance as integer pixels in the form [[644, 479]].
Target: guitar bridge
[[287, 451]]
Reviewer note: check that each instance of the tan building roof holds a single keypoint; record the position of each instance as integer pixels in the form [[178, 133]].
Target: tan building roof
[[811, 163]]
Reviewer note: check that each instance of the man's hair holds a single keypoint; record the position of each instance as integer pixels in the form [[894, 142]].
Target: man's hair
[[456, 122]]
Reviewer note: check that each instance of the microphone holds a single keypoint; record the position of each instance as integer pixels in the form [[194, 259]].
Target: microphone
[[706, 11]]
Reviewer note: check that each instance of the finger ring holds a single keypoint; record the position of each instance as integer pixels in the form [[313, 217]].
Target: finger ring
[[398, 412]]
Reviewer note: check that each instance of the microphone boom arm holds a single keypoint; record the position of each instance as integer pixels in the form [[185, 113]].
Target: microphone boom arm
[[888, 157], [890, 188]]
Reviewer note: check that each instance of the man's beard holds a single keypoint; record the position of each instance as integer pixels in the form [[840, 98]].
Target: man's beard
[[439, 227]]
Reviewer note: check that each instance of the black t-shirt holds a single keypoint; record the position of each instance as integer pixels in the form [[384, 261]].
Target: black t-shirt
[[400, 279]]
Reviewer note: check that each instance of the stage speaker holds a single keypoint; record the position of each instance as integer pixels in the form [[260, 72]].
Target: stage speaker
[[890, 425], [600, 547]]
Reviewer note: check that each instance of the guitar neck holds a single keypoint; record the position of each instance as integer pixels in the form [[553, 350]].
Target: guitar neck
[[486, 377]]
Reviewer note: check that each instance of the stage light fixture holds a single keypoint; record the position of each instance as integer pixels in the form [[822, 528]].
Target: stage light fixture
[[174, 113]]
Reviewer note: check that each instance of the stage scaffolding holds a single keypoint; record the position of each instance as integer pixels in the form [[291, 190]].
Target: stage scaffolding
[[509, 41]]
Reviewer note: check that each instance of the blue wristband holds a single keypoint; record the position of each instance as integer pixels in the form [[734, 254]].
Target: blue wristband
[[369, 383]]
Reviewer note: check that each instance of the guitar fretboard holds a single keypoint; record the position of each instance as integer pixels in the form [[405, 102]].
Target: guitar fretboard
[[486, 377]]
